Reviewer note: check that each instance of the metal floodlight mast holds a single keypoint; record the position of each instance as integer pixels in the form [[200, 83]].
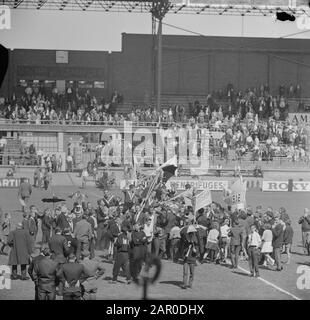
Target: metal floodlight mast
[[159, 9]]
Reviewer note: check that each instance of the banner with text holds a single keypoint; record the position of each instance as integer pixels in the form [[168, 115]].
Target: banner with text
[[299, 117], [9, 182], [198, 184], [278, 186]]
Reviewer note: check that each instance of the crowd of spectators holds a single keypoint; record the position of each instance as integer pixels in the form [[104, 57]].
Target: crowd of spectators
[[253, 122], [36, 107]]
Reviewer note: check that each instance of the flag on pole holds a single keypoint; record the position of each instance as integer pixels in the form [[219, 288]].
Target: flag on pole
[[203, 199], [237, 195], [169, 168]]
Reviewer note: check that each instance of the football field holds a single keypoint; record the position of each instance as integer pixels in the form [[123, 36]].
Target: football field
[[211, 281]]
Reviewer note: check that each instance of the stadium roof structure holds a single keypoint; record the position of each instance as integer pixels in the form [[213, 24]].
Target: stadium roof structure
[[213, 7]]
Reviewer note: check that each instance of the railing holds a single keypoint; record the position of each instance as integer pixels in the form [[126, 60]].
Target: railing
[[116, 123]]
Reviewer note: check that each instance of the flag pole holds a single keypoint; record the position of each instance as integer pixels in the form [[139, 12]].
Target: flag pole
[[148, 194]]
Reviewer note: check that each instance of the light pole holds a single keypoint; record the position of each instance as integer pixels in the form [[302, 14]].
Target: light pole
[[159, 10]]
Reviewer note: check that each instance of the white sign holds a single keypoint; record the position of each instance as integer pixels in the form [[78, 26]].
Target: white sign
[[278, 186], [198, 184], [203, 199], [61, 56], [299, 117], [5, 17], [237, 196]]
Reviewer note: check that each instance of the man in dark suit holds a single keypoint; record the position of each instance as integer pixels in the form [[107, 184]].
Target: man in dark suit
[[138, 254], [114, 229], [102, 220], [122, 255], [21, 249], [129, 198], [33, 224], [109, 199], [24, 193], [46, 226], [237, 240], [58, 246], [44, 276], [277, 240], [92, 271], [62, 221], [70, 274], [33, 265]]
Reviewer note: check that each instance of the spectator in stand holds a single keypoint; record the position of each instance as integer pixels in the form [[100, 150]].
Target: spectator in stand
[[69, 163]]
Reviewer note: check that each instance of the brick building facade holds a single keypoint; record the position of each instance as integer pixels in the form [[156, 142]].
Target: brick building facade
[[192, 65]]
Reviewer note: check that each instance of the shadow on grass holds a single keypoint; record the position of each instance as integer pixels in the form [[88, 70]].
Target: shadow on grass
[[303, 263], [173, 283]]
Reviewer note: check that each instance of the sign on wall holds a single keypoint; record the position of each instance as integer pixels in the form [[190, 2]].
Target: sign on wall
[[9, 183], [299, 117], [62, 57], [198, 184], [278, 186]]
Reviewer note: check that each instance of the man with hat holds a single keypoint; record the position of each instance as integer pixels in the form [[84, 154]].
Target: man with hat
[[34, 265], [21, 248], [62, 221], [92, 271], [122, 255], [190, 252], [70, 274], [44, 274]]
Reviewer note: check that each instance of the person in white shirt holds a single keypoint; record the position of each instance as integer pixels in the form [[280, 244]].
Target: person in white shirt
[[212, 243], [225, 239], [149, 232], [69, 163], [84, 177], [254, 243]]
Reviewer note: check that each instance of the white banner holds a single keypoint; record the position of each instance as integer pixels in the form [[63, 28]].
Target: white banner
[[278, 186], [203, 199], [198, 184], [237, 196]]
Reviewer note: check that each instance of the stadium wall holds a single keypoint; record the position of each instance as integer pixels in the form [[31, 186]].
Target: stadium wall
[[192, 65]]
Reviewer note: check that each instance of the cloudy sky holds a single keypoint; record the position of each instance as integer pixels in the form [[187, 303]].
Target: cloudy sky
[[102, 31]]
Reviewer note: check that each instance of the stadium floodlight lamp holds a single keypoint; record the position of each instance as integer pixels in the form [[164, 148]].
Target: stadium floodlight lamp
[[284, 16]]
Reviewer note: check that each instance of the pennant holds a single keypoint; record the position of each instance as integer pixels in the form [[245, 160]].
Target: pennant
[[203, 199], [169, 168]]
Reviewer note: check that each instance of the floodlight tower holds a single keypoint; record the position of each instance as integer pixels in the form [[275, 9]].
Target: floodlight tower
[[159, 10]]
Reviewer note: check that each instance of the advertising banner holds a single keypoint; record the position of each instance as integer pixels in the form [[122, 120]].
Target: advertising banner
[[198, 184], [278, 186], [9, 183]]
